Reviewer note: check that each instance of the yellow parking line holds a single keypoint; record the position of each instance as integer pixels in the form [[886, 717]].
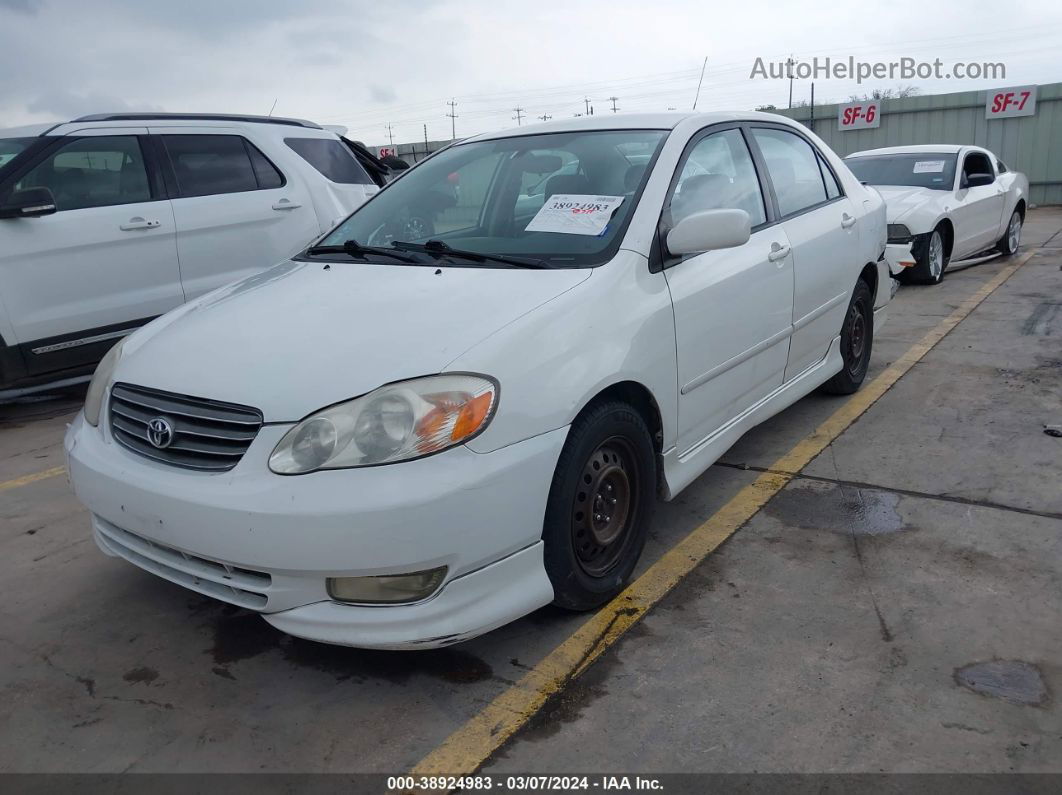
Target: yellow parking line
[[25, 480], [470, 746]]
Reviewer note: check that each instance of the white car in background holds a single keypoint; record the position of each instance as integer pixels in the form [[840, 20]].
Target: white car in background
[[402, 443], [108, 221], [945, 203]]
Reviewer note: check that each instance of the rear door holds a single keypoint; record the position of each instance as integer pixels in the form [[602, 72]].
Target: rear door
[[820, 223], [236, 212], [104, 263], [733, 308]]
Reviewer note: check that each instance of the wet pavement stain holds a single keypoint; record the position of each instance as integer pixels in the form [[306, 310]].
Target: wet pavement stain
[[1015, 681], [141, 675], [823, 506], [244, 635]]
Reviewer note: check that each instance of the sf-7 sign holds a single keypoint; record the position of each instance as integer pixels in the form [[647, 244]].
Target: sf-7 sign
[[859, 115], [1004, 103]]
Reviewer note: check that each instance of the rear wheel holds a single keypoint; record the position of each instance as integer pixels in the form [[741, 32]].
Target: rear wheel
[[1011, 240], [599, 506], [857, 340]]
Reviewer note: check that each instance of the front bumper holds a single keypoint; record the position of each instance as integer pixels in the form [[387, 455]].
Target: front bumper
[[899, 257], [268, 542]]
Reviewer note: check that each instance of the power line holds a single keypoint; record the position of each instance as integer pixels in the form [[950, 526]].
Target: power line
[[453, 119], [613, 100], [519, 115], [697, 96]]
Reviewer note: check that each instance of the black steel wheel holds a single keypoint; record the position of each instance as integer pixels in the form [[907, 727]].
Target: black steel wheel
[[857, 341], [599, 506]]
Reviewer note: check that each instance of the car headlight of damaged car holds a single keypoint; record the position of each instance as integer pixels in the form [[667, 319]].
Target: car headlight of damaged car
[[101, 379], [397, 422], [898, 233]]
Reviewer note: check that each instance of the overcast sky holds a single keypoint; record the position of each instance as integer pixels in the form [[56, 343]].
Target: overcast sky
[[367, 64]]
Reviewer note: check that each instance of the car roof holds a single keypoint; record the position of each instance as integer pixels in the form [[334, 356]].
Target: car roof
[[166, 119], [943, 149], [631, 121]]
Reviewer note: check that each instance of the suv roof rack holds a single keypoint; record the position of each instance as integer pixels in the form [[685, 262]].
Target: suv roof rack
[[197, 117]]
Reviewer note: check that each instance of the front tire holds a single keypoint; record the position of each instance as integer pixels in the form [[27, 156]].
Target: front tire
[[857, 341], [1011, 240], [600, 505], [931, 261]]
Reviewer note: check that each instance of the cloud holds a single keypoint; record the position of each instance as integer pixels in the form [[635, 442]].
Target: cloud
[[22, 6], [65, 104], [382, 94]]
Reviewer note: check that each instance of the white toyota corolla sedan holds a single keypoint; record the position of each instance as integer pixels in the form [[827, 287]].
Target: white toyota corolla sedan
[[944, 203], [400, 442]]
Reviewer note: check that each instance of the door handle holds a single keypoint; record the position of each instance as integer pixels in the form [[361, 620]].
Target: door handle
[[778, 252], [286, 204], [137, 222], [847, 221]]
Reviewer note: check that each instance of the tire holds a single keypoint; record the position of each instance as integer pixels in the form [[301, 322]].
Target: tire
[[857, 342], [589, 556], [931, 261], [1009, 244]]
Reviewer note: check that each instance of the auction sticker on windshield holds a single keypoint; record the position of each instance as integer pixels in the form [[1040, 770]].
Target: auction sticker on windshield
[[929, 166], [575, 214]]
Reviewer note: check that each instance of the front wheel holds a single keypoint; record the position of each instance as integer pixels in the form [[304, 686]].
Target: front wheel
[[857, 340], [930, 261], [599, 507], [1011, 240]]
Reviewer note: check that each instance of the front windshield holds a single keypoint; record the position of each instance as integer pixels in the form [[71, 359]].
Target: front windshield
[[483, 197], [934, 170], [9, 147]]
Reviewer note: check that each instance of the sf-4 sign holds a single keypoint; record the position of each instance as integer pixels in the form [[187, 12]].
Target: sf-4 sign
[[1004, 103], [859, 115]]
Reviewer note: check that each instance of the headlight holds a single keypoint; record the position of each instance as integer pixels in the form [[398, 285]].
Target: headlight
[[898, 233], [98, 385], [397, 422]]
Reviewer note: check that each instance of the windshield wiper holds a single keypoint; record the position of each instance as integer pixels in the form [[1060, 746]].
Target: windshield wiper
[[353, 248], [438, 248]]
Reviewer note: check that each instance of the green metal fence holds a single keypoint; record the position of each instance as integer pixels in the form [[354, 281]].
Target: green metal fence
[[1031, 144]]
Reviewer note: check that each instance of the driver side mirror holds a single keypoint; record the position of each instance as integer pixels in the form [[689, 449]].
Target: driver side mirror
[[709, 230], [976, 180], [28, 203]]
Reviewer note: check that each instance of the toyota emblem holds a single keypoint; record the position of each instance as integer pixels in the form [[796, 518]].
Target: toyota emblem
[[160, 433]]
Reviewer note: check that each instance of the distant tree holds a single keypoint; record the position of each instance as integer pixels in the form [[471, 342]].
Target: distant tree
[[766, 108], [900, 92]]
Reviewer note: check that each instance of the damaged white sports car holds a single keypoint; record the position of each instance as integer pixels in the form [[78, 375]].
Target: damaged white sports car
[[945, 203]]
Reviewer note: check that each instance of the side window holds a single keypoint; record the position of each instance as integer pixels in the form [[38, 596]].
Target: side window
[[1001, 167], [331, 159], [206, 165], [833, 190], [93, 172], [794, 169], [718, 175], [976, 163]]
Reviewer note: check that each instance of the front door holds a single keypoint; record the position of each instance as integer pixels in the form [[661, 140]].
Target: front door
[[105, 262], [978, 209], [733, 308]]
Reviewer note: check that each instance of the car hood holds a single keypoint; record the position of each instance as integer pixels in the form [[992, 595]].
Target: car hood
[[901, 200], [302, 336]]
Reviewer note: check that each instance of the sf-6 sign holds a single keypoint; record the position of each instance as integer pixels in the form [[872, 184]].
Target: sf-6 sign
[[1003, 103], [859, 115]]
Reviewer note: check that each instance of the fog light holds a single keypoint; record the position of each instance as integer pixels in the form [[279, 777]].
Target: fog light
[[386, 590]]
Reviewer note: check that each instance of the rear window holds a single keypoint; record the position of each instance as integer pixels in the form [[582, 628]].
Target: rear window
[[208, 165], [331, 158]]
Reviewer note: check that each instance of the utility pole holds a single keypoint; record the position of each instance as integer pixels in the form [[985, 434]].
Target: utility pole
[[613, 100], [390, 135], [697, 96], [789, 67], [453, 116], [586, 101], [519, 115], [544, 117], [811, 124]]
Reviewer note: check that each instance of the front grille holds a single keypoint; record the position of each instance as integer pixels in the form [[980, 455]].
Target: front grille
[[207, 434]]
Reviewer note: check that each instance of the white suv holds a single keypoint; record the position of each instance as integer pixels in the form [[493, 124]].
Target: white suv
[[108, 221]]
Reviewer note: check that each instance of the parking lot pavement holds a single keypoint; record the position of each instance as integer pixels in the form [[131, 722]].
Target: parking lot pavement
[[894, 607]]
